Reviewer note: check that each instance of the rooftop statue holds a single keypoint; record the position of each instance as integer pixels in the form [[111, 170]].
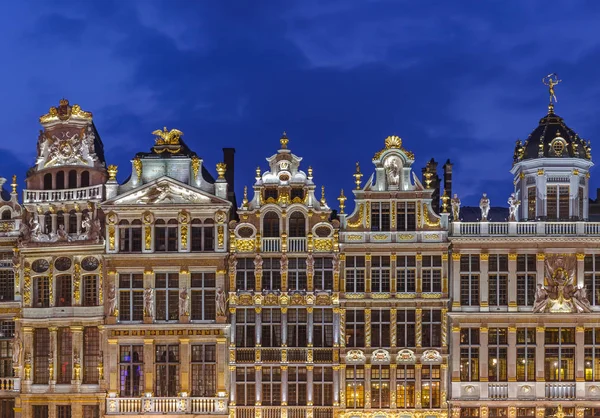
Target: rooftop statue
[[484, 205], [513, 207], [455, 202]]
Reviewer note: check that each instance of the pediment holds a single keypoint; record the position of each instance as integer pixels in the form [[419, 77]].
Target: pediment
[[165, 190]]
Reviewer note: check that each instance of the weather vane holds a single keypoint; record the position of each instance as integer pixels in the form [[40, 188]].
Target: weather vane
[[551, 80]]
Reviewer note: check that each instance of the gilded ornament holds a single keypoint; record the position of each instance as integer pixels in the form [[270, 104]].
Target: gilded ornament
[[368, 215], [342, 200], [484, 257], [357, 176], [244, 245], [456, 256], [359, 221], [77, 282], [428, 221], [580, 256], [64, 112], [112, 172], [221, 169], [137, 165], [323, 244], [195, 166]]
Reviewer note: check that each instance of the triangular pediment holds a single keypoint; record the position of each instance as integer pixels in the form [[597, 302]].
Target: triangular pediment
[[164, 191]]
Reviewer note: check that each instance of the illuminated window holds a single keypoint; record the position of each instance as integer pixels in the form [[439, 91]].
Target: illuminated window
[[405, 274], [167, 296], [167, 370], [557, 202], [405, 386], [380, 386], [91, 354], [497, 352], [355, 328], [430, 386], [498, 280], [271, 386], [131, 370], [559, 361], [469, 354], [592, 354], [525, 354], [355, 387], [271, 274], [592, 278]]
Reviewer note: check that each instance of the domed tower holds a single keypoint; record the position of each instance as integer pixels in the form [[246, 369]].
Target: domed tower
[[551, 169]]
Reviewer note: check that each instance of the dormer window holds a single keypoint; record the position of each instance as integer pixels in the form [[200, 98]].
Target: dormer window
[[558, 145], [271, 193], [380, 216], [297, 193]]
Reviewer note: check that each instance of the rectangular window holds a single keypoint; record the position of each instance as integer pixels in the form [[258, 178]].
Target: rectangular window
[[405, 274], [204, 370], [430, 386], [380, 386], [90, 290], [41, 352], [469, 280], [592, 278], [431, 273], [297, 386], [355, 328], [131, 296], [497, 352], [469, 354], [63, 290], [432, 328], [405, 386], [297, 274], [526, 279], [130, 237], [7, 332], [355, 274], [557, 202], [323, 386], [7, 408], [167, 370], [297, 327], [64, 355], [592, 354], [271, 327], [406, 219], [131, 371], [167, 296], [531, 203], [271, 386], [323, 273], [380, 274], [271, 274], [7, 285], [91, 355], [91, 411], [63, 411], [498, 280], [203, 291], [559, 361], [380, 216], [244, 274], [323, 327], [202, 235], [245, 325], [525, 354], [405, 328], [40, 411], [41, 292], [355, 387], [245, 388], [580, 200], [380, 328]]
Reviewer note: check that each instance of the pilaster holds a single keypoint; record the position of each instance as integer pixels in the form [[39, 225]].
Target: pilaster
[[483, 354], [512, 282], [418, 370], [540, 257], [367, 386], [484, 282], [113, 372], [539, 353], [393, 272], [368, 327], [184, 361], [419, 273], [580, 269], [579, 354], [456, 281], [511, 356], [149, 365]]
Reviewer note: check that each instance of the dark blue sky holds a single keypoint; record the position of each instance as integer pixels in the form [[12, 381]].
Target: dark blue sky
[[458, 80]]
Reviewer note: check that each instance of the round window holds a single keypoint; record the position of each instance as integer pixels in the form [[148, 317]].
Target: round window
[[40, 266], [62, 263], [245, 232], [90, 263], [558, 146]]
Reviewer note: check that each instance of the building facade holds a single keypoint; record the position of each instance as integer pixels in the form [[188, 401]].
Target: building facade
[[160, 296]]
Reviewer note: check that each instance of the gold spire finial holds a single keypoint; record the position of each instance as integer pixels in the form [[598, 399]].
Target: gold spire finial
[[284, 140], [323, 202], [357, 176], [445, 199], [257, 173], [551, 80], [310, 173], [342, 199], [112, 172], [14, 184]]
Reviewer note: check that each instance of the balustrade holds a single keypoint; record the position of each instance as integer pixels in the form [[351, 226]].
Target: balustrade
[[156, 405], [82, 193]]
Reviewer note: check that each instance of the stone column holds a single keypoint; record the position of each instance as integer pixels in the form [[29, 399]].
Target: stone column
[[309, 384], [540, 257], [418, 327], [54, 226], [483, 354], [221, 362], [258, 326], [232, 332], [66, 221], [336, 385], [367, 386], [258, 385], [284, 330], [184, 285], [27, 351], [419, 273], [113, 366], [539, 353], [455, 281], [393, 370], [393, 273], [148, 365], [52, 360], [445, 273], [77, 341], [393, 327], [418, 369], [79, 216], [310, 330], [368, 327], [455, 358], [367, 273], [342, 276], [284, 385], [232, 385], [579, 355], [444, 327], [511, 356], [512, 282], [336, 326], [444, 385], [483, 282], [185, 358], [342, 375], [580, 269]]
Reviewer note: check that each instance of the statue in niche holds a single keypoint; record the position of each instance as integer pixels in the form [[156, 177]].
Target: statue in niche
[[86, 225], [513, 207], [112, 300], [455, 202], [17, 349], [220, 302], [183, 302], [61, 233], [392, 171], [148, 302], [484, 205]]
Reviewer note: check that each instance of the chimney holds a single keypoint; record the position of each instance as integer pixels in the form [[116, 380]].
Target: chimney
[[448, 177], [431, 168], [229, 160]]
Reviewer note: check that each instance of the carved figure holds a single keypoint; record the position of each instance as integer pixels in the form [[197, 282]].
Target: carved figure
[[513, 207], [220, 302], [24, 233], [27, 366], [455, 202], [86, 225], [392, 170], [541, 299], [17, 349], [35, 227], [183, 302], [551, 80], [148, 302], [258, 262], [95, 231], [484, 205], [112, 300], [76, 366], [61, 233]]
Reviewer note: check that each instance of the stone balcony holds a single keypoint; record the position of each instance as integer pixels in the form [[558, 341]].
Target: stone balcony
[[66, 195], [525, 229], [284, 412], [498, 391], [168, 405], [10, 384]]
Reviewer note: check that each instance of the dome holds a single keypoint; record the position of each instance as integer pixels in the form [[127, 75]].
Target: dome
[[552, 139]]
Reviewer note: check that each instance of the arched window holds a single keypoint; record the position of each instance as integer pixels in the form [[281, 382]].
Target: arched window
[[6, 215], [72, 222], [72, 179], [60, 180], [47, 223], [271, 225], [60, 219], [47, 181], [85, 179], [297, 227]]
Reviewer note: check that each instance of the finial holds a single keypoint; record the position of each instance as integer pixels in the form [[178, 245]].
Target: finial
[[310, 173], [284, 140], [551, 80], [245, 201], [257, 173], [323, 202], [342, 200], [112, 172], [14, 184], [357, 176], [445, 199], [221, 168]]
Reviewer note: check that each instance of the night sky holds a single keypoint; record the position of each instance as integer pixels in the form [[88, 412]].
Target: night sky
[[454, 79]]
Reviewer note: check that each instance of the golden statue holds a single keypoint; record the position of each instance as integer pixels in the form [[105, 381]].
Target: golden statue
[[166, 137], [551, 80]]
